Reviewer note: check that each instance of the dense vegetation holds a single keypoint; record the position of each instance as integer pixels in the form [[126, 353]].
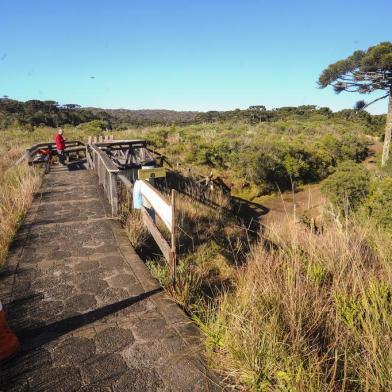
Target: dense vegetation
[[257, 159]]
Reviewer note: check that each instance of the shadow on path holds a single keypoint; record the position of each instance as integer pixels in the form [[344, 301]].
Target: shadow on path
[[49, 332], [79, 165]]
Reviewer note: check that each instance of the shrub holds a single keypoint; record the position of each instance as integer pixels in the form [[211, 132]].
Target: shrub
[[94, 128], [348, 186], [379, 203]]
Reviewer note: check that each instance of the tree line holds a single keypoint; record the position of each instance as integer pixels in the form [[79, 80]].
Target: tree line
[[35, 113]]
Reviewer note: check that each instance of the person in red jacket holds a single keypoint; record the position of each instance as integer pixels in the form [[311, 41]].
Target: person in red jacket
[[60, 146]]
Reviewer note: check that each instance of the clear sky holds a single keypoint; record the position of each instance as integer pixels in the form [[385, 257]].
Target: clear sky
[[188, 55]]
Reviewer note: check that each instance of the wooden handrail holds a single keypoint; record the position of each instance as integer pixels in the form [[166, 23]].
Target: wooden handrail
[[107, 162], [67, 144]]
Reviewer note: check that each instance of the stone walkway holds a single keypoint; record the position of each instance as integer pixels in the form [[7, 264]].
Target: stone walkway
[[89, 315]]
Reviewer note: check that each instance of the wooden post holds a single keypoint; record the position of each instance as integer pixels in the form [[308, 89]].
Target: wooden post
[[88, 158], [28, 156], [104, 177], [173, 238], [89, 139], [114, 193], [99, 169], [100, 139]]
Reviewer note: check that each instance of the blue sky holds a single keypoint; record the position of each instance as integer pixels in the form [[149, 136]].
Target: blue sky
[[187, 55]]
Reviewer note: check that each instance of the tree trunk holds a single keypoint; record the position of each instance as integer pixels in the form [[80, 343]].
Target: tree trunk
[[388, 131]]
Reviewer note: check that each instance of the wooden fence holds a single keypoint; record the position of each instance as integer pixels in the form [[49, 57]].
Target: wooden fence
[[157, 205], [73, 146], [211, 192], [107, 172], [110, 177]]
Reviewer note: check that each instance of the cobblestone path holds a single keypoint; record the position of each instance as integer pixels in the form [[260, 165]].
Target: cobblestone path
[[88, 314]]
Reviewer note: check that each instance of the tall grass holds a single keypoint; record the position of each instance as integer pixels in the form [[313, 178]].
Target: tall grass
[[17, 185], [309, 312]]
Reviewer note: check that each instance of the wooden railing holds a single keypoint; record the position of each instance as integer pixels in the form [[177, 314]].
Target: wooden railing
[[107, 172], [70, 147], [159, 206], [110, 177]]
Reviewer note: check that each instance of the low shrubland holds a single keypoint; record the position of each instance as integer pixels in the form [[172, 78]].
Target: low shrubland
[[348, 186], [257, 159]]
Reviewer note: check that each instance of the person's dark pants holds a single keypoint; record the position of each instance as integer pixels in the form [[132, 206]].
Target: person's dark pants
[[61, 156]]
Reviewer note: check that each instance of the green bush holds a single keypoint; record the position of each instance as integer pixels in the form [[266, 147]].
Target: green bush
[[348, 186], [93, 128], [379, 203]]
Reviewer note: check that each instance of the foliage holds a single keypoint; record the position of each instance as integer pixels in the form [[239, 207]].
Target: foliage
[[363, 71], [34, 113], [94, 128], [347, 186], [379, 203], [31, 114], [259, 159]]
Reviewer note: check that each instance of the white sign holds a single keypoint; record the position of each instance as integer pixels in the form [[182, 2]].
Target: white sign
[[161, 207]]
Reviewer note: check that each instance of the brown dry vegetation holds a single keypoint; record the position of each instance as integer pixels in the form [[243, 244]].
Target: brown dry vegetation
[[17, 185], [309, 312]]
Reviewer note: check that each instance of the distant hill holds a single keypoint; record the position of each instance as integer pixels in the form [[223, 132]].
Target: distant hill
[[144, 116]]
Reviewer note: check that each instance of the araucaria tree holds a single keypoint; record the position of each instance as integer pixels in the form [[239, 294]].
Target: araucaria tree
[[365, 72]]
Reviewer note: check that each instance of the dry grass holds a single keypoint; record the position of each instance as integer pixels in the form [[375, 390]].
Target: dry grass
[[17, 185], [136, 230], [308, 313]]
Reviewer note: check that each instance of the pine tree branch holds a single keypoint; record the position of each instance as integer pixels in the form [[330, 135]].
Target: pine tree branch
[[378, 99]]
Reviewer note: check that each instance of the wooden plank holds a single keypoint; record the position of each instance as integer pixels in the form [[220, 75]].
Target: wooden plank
[[158, 237], [89, 161], [106, 161], [157, 201], [114, 193], [173, 254]]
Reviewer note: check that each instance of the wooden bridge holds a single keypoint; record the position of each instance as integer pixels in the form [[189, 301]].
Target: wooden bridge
[[88, 313]]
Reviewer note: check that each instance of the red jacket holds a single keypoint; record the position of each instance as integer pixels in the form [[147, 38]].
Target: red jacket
[[60, 142]]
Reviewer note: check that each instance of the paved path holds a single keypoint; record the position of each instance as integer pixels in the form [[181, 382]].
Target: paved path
[[89, 315]]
